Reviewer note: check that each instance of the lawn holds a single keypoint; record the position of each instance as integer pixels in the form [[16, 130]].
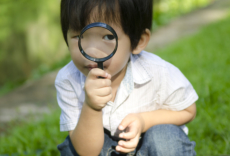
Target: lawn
[[204, 58], [34, 137]]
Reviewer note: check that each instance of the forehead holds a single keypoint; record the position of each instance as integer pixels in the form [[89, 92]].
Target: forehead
[[82, 15], [117, 28]]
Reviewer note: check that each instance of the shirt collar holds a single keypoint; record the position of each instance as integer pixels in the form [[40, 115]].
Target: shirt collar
[[140, 73], [82, 80], [135, 73], [127, 82]]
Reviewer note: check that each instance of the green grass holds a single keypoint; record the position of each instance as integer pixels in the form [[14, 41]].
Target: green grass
[[204, 59], [36, 137]]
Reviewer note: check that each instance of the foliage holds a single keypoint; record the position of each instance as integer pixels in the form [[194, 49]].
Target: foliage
[[165, 10], [31, 42], [205, 60], [30, 35]]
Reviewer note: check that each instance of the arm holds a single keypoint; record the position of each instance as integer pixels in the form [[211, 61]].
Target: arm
[[168, 117], [88, 136], [141, 122]]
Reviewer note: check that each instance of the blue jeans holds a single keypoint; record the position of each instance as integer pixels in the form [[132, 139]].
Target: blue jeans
[[159, 140]]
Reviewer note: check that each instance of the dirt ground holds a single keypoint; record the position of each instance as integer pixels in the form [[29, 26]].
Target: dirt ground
[[39, 96]]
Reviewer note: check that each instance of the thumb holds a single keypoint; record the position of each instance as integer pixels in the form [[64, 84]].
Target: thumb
[[96, 72], [124, 123]]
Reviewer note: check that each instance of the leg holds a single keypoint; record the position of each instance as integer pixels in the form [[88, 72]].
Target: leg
[[166, 140], [109, 146], [66, 148]]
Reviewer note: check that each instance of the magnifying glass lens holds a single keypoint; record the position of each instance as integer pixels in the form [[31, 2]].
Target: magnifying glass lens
[[98, 42]]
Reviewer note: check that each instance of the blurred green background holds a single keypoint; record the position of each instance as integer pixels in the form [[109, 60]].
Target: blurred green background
[[30, 38], [31, 41], [31, 44]]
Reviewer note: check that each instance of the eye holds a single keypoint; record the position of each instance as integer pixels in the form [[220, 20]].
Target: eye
[[109, 37], [77, 37]]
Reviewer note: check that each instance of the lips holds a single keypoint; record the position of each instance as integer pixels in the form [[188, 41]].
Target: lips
[[91, 66]]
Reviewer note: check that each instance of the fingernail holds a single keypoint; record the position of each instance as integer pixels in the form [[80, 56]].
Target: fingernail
[[118, 149], [121, 135], [106, 74], [120, 143], [121, 127]]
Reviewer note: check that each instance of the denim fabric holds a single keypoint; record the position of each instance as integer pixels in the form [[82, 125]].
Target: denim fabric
[[159, 140]]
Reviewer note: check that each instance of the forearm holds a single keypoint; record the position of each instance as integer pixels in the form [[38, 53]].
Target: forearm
[[88, 136], [167, 117]]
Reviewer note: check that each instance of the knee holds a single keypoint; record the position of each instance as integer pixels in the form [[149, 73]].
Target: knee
[[166, 132], [168, 140]]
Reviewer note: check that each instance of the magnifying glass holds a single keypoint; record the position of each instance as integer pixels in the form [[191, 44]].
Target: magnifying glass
[[98, 42]]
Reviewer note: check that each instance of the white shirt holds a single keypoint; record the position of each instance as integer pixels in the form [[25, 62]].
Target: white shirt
[[150, 83]]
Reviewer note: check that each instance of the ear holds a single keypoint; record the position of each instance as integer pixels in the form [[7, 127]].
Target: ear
[[143, 42]]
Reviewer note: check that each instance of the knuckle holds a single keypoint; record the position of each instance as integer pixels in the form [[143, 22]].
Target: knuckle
[[109, 82], [93, 71], [108, 90], [103, 83], [106, 82]]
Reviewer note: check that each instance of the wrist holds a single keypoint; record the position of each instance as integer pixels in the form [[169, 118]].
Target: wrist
[[91, 108], [142, 122]]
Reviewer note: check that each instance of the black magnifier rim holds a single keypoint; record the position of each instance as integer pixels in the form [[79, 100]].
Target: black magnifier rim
[[102, 25]]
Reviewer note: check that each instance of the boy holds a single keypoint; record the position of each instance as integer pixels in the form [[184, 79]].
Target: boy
[[143, 102]]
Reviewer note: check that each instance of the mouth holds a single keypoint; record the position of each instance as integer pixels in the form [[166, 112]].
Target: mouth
[[91, 66]]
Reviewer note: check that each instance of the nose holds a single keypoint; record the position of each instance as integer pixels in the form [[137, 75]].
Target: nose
[[95, 52]]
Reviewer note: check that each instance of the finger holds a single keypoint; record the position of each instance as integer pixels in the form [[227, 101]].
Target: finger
[[103, 100], [97, 72], [128, 135], [103, 83], [125, 122], [98, 83], [124, 150], [104, 91], [129, 144], [130, 132]]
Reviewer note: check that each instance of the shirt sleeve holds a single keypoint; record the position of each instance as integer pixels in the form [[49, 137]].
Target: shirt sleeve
[[177, 93], [69, 104]]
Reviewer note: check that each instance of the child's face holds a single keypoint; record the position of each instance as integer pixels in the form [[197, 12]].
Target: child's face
[[114, 66]]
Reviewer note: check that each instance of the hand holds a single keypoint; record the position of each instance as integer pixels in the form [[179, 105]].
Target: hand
[[133, 124], [98, 91]]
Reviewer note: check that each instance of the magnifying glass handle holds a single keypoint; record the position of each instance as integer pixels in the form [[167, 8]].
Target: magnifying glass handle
[[100, 65]]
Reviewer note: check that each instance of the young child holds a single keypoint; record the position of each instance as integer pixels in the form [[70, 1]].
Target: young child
[[143, 102]]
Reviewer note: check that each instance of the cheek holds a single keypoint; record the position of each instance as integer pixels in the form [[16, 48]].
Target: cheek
[[121, 60], [75, 53], [123, 55]]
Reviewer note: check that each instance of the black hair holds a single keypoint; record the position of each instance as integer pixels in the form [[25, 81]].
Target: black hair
[[134, 16]]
